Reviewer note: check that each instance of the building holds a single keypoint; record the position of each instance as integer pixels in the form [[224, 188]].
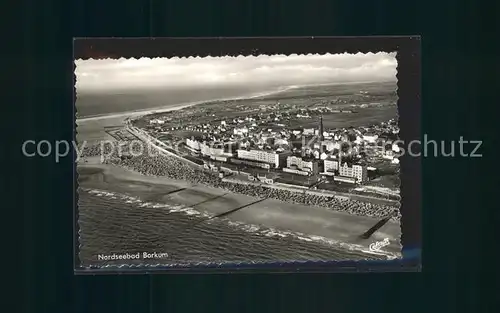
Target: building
[[358, 172], [213, 150], [219, 158], [270, 157], [251, 163], [372, 138], [208, 150], [268, 179], [210, 166], [326, 145], [389, 155], [193, 144], [301, 166], [240, 131], [156, 121], [330, 167], [295, 171], [308, 131], [343, 179]]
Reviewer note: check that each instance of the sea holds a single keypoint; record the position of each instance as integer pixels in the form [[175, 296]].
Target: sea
[[113, 223], [90, 104]]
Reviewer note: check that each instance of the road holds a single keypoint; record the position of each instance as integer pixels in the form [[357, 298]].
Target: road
[[361, 198]]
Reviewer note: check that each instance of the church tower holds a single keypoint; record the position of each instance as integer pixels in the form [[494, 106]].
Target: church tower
[[321, 131]]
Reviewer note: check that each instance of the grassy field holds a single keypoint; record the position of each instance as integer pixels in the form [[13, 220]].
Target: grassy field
[[388, 181], [321, 91]]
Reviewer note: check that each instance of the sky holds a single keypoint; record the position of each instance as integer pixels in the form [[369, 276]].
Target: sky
[[263, 70]]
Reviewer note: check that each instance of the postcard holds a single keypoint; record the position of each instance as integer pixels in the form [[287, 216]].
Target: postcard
[[189, 160]]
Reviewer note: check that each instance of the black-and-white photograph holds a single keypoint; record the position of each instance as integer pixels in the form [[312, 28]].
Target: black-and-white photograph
[[185, 161]]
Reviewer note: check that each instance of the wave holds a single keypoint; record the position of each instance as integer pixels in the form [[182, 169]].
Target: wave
[[271, 232], [142, 204], [241, 226]]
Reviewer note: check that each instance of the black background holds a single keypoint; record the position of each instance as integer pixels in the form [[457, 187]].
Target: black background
[[457, 257]]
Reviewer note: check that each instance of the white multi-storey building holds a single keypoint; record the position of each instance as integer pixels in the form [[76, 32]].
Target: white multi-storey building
[[358, 172], [156, 121], [308, 131], [213, 150], [260, 156], [370, 137], [240, 131], [193, 144], [330, 166], [295, 162]]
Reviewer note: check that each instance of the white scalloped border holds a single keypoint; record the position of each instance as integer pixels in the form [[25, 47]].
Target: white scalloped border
[[209, 264]]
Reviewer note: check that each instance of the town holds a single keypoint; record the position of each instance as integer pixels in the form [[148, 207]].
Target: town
[[267, 144]]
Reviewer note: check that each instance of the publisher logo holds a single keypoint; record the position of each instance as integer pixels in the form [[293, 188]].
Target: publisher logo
[[376, 246]]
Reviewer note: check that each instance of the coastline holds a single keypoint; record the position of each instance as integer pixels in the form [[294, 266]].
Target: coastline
[[306, 222], [178, 106], [182, 105], [92, 128]]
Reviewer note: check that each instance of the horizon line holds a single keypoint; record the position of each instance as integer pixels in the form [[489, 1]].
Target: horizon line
[[286, 87]]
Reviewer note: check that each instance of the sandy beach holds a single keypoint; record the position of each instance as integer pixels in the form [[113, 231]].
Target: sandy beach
[[317, 223], [93, 129]]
